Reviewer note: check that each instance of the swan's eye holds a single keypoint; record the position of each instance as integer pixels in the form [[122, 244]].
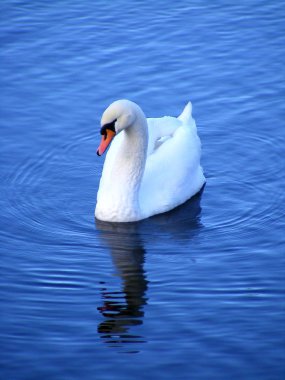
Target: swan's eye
[[110, 126]]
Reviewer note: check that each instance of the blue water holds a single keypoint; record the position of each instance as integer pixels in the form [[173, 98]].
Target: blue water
[[197, 293]]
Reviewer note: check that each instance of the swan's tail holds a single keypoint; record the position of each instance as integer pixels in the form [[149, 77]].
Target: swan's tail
[[186, 115]]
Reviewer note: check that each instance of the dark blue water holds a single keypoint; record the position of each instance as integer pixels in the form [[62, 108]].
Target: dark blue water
[[197, 293]]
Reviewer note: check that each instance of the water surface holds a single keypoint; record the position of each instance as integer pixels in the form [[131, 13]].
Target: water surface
[[197, 293]]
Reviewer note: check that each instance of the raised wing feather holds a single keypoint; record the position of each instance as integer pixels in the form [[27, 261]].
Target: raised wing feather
[[172, 173]]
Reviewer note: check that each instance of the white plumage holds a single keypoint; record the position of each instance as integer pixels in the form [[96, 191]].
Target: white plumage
[[152, 166]]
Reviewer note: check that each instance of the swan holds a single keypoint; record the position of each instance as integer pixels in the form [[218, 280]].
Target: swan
[[152, 165]]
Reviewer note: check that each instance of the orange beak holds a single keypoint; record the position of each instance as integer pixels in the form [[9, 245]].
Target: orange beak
[[105, 142]]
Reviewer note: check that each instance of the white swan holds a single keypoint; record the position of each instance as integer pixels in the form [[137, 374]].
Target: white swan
[[152, 166]]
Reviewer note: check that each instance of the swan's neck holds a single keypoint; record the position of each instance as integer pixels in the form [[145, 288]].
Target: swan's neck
[[126, 173]]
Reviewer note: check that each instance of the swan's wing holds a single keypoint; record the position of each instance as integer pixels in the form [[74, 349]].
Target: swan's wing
[[160, 129], [173, 173]]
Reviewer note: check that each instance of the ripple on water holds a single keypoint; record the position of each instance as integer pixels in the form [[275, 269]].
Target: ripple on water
[[45, 192], [246, 191]]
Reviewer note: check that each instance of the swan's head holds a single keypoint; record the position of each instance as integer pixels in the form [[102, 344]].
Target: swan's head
[[118, 116]]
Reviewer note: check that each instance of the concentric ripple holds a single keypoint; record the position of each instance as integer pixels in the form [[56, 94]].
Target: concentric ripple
[[45, 191], [246, 192]]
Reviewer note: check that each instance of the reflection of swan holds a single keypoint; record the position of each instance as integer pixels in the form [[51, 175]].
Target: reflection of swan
[[153, 165], [123, 309]]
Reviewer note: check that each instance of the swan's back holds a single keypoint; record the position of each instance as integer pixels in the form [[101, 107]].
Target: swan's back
[[173, 173]]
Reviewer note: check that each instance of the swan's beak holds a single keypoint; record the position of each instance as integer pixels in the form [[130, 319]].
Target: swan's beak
[[105, 142]]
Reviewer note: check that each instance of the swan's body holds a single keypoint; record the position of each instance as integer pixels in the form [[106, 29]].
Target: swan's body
[[152, 166]]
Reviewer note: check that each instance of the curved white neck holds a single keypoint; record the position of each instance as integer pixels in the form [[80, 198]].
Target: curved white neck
[[122, 186]]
